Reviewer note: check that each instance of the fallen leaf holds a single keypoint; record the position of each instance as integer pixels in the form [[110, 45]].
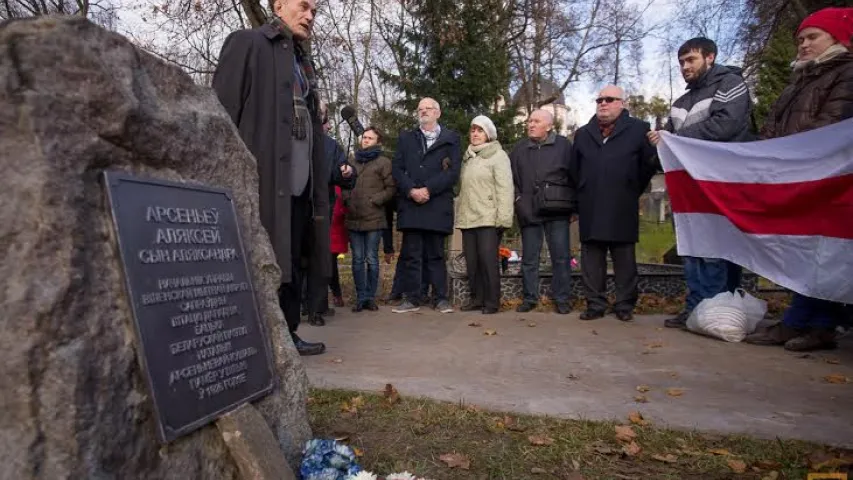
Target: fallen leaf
[[538, 471], [456, 460], [836, 379], [668, 458], [771, 476], [641, 399], [805, 355], [512, 424], [574, 476], [358, 452], [674, 392], [531, 324], [336, 360], [342, 438], [392, 396], [821, 460], [309, 400], [490, 332], [832, 361], [624, 433], [654, 345], [540, 440], [602, 448], [673, 374], [572, 376], [637, 418], [475, 324], [737, 466], [357, 402], [632, 449], [347, 407], [643, 388], [576, 465], [768, 465], [720, 451], [472, 408], [594, 332]]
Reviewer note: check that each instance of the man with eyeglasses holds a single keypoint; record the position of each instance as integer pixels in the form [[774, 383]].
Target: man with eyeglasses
[[717, 107], [426, 166], [612, 164]]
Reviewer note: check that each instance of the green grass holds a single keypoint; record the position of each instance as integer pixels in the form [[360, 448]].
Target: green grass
[[412, 434], [655, 240]]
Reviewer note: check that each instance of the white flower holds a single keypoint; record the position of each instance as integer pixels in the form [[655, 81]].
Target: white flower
[[401, 476], [362, 475]]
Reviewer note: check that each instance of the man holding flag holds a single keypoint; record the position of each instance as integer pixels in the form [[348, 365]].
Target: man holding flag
[[782, 207], [716, 107]]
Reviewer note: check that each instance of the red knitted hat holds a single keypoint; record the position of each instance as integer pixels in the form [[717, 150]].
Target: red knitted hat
[[837, 22]]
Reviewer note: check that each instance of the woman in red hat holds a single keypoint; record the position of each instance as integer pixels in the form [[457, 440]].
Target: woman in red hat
[[820, 94]]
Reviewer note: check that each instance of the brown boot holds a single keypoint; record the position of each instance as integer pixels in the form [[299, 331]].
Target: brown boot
[[776, 334], [815, 339]]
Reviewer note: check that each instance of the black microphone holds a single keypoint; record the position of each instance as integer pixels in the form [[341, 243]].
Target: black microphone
[[348, 113]]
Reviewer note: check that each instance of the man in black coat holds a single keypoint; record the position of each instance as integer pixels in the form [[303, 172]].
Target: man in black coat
[[613, 163], [265, 80], [426, 166], [315, 296], [540, 173]]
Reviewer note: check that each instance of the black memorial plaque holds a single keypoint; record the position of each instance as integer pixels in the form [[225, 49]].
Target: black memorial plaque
[[204, 351]]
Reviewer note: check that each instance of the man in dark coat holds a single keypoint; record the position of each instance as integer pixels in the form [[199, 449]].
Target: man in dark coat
[[540, 165], [613, 163], [426, 166], [717, 107], [315, 296], [265, 80]]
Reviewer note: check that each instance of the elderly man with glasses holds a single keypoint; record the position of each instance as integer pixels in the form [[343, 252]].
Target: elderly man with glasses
[[612, 163]]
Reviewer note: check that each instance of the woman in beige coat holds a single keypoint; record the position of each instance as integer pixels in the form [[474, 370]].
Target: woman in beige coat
[[483, 207]]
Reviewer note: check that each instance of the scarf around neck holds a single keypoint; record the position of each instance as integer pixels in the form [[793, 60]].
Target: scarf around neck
[[827, 55], [364, 156], [431, 137], [485, 150]]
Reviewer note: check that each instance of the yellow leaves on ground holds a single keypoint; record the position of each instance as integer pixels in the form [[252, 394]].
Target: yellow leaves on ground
[[490, 332], [674, 392], [540, 440], [643, 388], [624, 433], [392, 396], [836, 378], [455, 460], [668, 458], [637, 418], [353, 405], [737, 466]]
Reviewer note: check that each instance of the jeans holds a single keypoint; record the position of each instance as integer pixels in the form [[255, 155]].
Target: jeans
[[365, 253], [707, 277], [806, 313], [556, 232]]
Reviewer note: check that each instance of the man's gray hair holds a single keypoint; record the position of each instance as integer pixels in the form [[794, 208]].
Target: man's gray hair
[[548, 115]]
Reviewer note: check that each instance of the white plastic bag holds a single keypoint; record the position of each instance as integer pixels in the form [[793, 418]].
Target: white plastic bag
[[728, 316]]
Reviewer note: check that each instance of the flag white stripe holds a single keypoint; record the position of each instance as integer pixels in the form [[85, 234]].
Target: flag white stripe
[[814, 155], [814, 266]]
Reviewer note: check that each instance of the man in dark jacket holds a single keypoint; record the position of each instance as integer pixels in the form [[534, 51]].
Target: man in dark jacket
[[426, 166], [315, 295], [265, 80], [544, 201], [612, 163], [717, 107]]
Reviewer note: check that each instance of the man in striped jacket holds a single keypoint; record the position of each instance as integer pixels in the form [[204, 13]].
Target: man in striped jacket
[[717, 107]]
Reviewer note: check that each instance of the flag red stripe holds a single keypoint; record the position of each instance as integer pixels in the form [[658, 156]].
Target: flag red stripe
[[819, 207]]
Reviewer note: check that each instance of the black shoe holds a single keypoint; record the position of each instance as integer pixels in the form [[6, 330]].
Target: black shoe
[[372, 306], [525, 307], [306, 348], [358, 307], [330, 312], [591, 314], [563, 308], [317, 320], [471, 308], [625, 316], [679, 321], [490, 311]]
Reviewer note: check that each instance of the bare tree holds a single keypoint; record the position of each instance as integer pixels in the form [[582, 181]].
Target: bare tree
[[101, 12]]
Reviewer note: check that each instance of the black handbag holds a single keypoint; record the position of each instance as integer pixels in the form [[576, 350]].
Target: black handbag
[[553, 199]]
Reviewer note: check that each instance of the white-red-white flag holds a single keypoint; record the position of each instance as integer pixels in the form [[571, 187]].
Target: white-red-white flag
[[782, 208]]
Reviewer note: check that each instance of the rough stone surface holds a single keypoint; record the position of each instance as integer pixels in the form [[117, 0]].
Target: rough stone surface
[[252, 445], [75, 100]]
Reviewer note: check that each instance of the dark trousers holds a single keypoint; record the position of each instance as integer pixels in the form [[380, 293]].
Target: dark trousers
[[480, 246], [594, 271], [422, 255], [315, 298], [556, 232], [290, 294], [397, 289]]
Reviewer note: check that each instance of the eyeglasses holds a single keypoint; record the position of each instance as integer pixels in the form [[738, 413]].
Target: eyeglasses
[[601, 100]]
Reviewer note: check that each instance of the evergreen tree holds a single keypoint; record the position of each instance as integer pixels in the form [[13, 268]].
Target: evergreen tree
[[457, 54], [773, 73]]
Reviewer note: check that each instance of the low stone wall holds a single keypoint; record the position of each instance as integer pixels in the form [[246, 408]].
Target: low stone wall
[[657, 279]]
